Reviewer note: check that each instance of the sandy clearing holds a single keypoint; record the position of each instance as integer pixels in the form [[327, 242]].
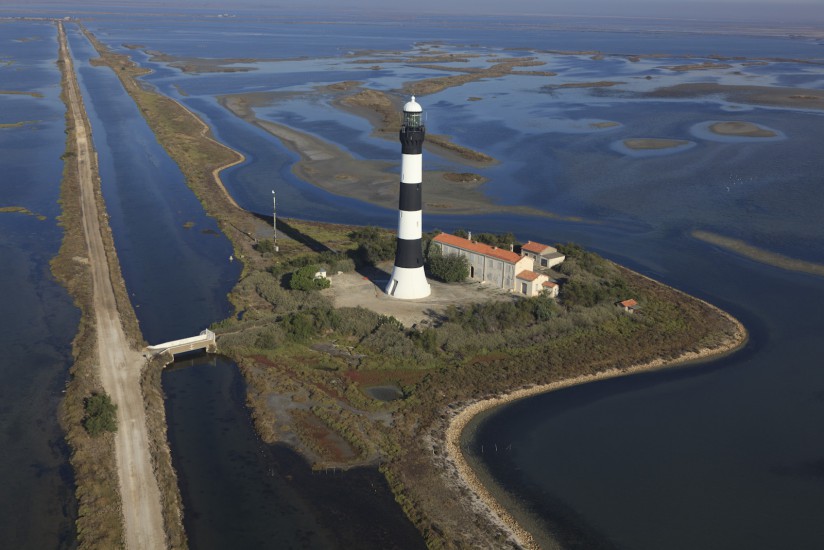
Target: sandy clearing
[[120, 365], [358, 290]]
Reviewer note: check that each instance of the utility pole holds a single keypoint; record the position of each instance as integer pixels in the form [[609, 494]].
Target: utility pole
[[274, 221]]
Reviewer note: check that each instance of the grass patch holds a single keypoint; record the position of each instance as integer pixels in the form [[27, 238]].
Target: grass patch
[[21, 210]]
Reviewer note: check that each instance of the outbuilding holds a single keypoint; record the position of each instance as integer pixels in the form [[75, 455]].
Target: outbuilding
[[630, 306], [551, 288], [542, 254], [530, 283]]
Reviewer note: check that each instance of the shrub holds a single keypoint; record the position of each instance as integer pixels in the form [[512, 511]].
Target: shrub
[[101, 414], [357, 321], [299, 326], [345, 265], [265, 245], [269, 337], [304, 279], [501, 240], [375, 245], [450, 268]]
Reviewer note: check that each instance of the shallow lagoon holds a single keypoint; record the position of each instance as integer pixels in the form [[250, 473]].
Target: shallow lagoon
[[745, 433], [522, 121], [39, 320]]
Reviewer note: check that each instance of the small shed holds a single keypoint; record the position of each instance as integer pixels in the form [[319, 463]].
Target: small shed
[[530, 283], [550, 288], [630, 306]]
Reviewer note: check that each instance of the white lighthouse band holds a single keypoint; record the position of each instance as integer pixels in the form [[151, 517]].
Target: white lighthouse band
[[408, 280]]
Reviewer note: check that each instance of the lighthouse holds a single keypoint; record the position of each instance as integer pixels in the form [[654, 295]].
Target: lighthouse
[[408, 280]]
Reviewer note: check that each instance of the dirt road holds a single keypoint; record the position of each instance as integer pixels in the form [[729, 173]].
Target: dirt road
[[120, 365]]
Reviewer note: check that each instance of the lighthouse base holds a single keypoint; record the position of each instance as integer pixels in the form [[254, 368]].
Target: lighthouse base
[[408, 283]]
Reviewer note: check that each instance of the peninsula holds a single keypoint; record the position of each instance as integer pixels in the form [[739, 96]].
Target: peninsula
[[357, 385]]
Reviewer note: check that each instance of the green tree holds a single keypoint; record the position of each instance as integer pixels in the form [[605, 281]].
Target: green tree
[[450, 268], [101, 414], [304, 279], [375, 245]]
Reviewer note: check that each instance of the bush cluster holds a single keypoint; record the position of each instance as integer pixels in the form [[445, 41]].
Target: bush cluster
[[374, 245], [501, 240], [101, 414], [449, 268], [304, 279]]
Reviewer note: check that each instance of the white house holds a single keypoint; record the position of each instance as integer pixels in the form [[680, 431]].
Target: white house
[[530, 283], [542, 254]]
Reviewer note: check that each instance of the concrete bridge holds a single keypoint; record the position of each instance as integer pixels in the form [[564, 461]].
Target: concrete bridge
[[205, 340]]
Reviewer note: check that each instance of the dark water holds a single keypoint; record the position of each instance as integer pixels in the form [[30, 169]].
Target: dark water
[[241, 493], [38, 319]]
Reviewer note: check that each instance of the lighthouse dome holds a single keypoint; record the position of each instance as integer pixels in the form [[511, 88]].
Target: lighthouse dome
[[412, 106]]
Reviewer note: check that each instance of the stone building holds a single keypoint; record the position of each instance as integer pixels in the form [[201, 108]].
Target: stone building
[[504, 268]]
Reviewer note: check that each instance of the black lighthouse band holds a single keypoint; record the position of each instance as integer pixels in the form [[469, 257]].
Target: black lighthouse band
[[410, 200], [409, 254]]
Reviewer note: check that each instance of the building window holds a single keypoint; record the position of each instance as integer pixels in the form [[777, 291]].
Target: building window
[[523, 288], [544, 262]]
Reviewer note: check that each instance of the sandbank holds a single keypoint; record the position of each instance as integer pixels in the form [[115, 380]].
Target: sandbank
[[797, 98], [514, 520], [645, 144], [738, 128], [604, 124], [759, 254], [598, 84], [16, 124], [329, 167], [37, 95], [707, 65]]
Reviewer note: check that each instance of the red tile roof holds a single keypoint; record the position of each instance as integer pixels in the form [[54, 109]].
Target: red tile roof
[[478, 248], [527, 275], [535, 248], [550, 284], [629, 303]]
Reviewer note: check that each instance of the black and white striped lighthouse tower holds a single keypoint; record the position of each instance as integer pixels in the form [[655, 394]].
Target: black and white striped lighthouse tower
[[408, 280]]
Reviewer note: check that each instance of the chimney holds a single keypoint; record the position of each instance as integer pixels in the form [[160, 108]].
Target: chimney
[[469, 235], [511, 247]]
